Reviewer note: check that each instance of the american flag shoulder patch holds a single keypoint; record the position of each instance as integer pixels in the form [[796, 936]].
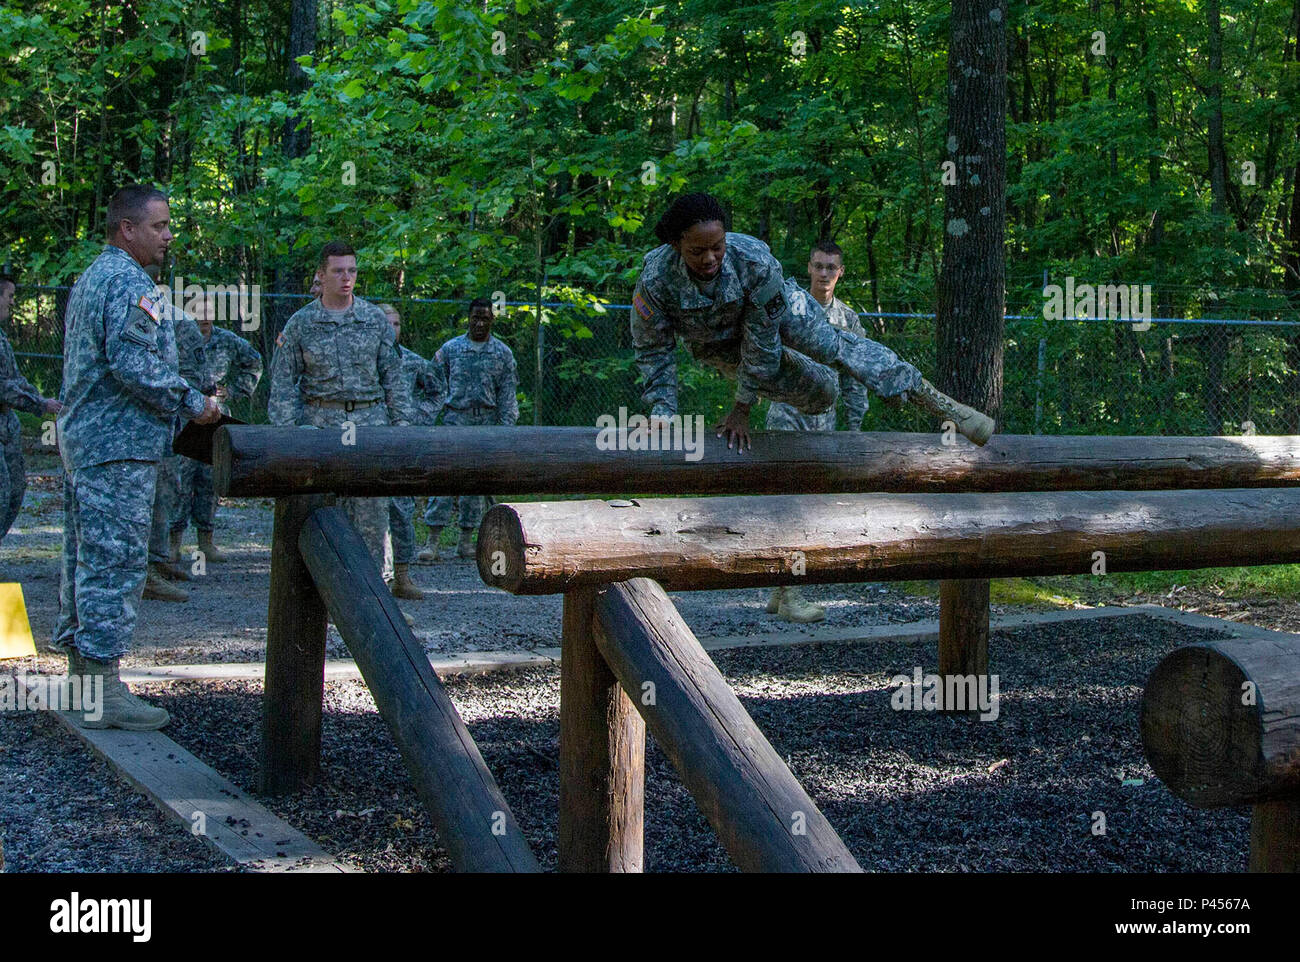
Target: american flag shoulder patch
[[279, 339], [641, 307], [151, 306]]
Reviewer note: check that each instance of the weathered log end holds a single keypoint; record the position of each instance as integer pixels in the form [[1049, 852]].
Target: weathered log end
[[501, 550], [1221, 722]]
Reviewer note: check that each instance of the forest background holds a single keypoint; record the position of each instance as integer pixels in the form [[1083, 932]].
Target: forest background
[[525, 150]]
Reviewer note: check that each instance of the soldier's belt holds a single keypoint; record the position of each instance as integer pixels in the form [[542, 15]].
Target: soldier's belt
[[476, 409], [344, 405]]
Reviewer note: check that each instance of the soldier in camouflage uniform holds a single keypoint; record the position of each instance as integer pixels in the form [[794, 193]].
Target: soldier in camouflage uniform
[[16, 392], [479, 374], [422, 387], [726, 296], [187, 360], [825, 267], [231, 369], [336, 363], [121, 404]]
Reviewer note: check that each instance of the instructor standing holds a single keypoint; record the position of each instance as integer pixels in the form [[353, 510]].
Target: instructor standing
[[122, 402]]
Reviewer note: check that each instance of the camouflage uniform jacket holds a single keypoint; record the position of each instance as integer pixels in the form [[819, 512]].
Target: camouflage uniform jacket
[[121, 391], [852, 391], [422, 386], [231, 362], [348, 358], [16, 392], [478, 378], [751, 301]]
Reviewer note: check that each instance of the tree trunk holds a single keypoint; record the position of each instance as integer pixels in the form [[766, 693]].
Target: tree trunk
[[972, 277]]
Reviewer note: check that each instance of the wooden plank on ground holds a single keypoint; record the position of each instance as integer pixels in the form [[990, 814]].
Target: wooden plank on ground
[[181, 785]]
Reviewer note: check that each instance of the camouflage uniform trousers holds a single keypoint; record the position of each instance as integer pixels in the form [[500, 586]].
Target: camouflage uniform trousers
[[196, 501], [13, 473], [782, 417], [164, 506], [470, 506], [106, 515], [809, 349], [369, 515], [401, 525]]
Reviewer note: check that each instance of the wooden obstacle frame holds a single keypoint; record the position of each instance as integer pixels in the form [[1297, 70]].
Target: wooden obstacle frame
[[1019, 505]]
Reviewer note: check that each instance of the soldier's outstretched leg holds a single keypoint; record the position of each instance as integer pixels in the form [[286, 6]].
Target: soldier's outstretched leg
[[806, 330], [799, 381]]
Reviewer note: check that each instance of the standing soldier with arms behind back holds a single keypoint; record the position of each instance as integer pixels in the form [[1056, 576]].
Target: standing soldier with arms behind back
[[121, 403], [335, 364], [231, 369], [422, 387], [825, 268], [16, 392], [479, 374]]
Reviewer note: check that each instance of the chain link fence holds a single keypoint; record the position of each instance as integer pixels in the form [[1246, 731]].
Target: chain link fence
[[1209, 363]]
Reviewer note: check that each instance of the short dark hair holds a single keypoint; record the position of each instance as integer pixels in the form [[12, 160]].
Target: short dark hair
[[130, 203], [480, 302], [335, 248], [685, 212], [827, 246]]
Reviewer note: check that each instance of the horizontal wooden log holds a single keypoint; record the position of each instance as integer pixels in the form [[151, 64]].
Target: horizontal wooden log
[[546, 547], [763, 817], [260, 461], [1221, 721], [470, 813]]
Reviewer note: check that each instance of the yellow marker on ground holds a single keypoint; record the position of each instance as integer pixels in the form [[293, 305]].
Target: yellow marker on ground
[[15, 629]]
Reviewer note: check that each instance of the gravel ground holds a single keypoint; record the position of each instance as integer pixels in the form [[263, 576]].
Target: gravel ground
[[911, 791], [62, 809]]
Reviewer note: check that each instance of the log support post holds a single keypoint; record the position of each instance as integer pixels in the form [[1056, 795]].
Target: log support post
[[602, 754], [963, 632], [1275, 836], [763, 817], [295, 658], [449, 774]]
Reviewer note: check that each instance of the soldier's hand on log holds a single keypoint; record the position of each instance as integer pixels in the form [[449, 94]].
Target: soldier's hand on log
[[211, 411], [53, 405], [735, 426]]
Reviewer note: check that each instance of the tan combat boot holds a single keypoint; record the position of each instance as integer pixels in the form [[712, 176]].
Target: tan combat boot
[[76, 666], [774, 603], [211, 553], [158, 588], [403, 586], [794, 608], [176, 572], [177, 536], [465, 548], [971, 424], [118, 708], [429, 553]]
